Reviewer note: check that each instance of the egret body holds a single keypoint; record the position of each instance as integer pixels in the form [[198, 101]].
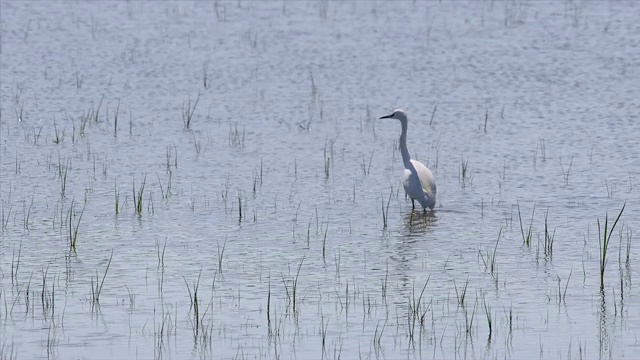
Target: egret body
[[417, 180]]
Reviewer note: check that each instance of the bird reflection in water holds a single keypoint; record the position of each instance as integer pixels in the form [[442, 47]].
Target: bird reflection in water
[[419, 221]]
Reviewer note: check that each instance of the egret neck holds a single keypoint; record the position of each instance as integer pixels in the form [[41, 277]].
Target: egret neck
[[406, 159]]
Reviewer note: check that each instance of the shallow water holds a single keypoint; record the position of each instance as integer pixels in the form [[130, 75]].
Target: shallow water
[[538, 99]]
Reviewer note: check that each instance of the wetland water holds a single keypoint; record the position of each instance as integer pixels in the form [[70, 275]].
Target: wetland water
[[258, 231]]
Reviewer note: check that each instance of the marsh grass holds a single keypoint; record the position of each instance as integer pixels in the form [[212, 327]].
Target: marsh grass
[[366, 169], [162, 331], [27, 212], [160, 254], [526, 238], [79, 80], [611, 190], [415, 304], [624, 269], [116, 193], [627, 260], [32, 136], [16, 262], [36, 137], [377, 337], [139, 195], [6, 216], [433, 114], [468, 319], [130, 123], [239, 207], [486, 119], [465, 177], [132, 298], [205, 75], [562, 294], [164, 193], [269, 303], [73, 229], [170, 159], [236, 138], [463, 291], [20, 112], [385, 210], [384, 286], [63, 171], [17, 165], [197, 144], [324, 241], [416, 314], [52, 341], [295, 285], [566, 172], [188, 110], [221, 254], [115, 120], [47, 297], [604, 237], [328, 155], [336, 261], [323, 332], [487, 311], [548, 236], [58, 134], [96, 289], [84, 119], [195, 303], [489, 259], [543, 150], [258, 177]]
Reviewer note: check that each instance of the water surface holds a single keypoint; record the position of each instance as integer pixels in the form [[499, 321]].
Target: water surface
[[538, 100]]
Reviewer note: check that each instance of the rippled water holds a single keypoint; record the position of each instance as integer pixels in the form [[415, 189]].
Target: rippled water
[[538, 101]]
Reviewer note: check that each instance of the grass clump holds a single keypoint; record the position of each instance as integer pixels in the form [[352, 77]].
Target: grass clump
[[604, 237]]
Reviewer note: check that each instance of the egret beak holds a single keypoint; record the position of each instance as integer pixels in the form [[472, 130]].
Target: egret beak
[[387, 116]]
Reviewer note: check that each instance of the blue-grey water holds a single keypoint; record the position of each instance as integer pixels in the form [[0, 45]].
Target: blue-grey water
[[260, 231]]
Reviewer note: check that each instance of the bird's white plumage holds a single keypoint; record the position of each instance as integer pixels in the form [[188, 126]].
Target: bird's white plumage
[[417, 179], [419, 184]]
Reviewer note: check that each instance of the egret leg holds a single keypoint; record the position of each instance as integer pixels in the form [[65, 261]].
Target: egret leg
[[413, 204]]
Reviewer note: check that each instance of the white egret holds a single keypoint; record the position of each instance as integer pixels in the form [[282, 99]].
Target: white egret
[[417, 180]]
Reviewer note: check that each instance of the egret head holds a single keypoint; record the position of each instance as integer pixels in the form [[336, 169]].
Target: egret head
[[397, 114]]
